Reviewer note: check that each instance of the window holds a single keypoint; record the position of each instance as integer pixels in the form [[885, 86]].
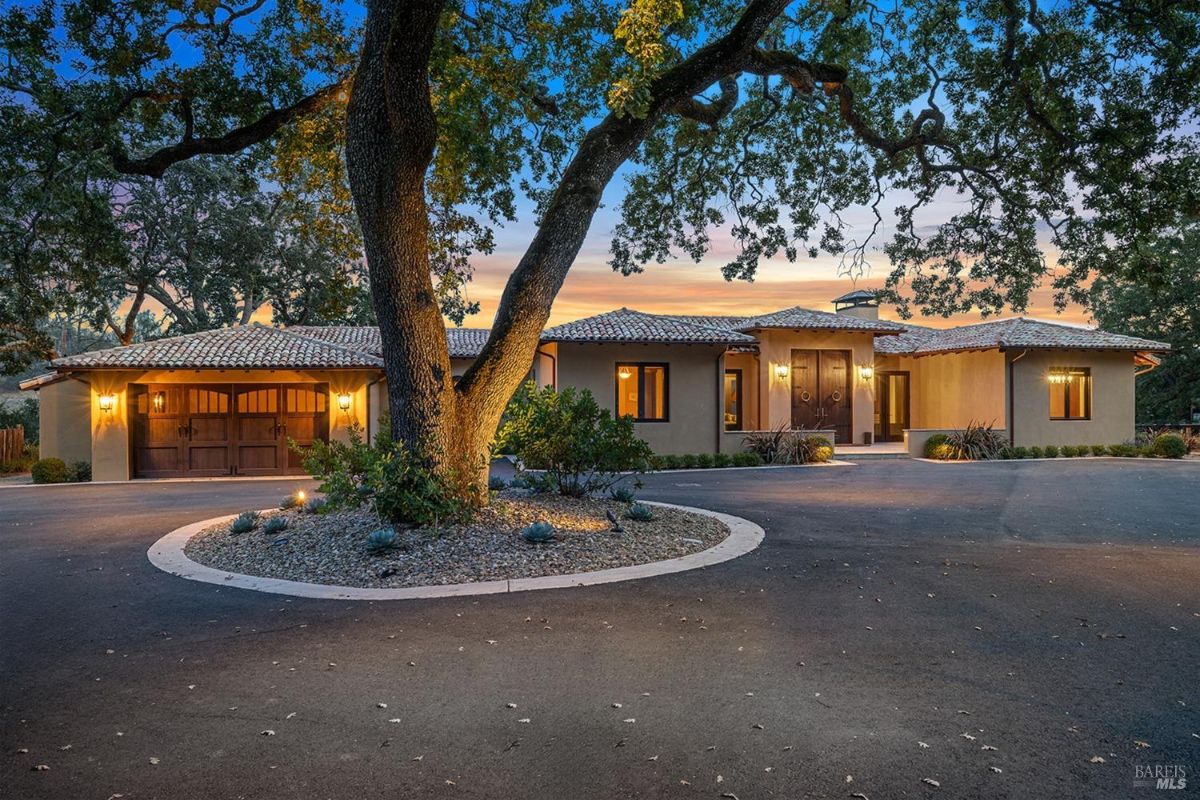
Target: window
[[1070, 393], [642, 392], [733, 399]]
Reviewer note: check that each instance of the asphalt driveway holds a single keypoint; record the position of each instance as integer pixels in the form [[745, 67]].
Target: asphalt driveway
[[995, 628]]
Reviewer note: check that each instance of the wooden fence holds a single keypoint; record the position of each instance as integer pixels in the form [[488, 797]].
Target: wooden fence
[[12, 444]]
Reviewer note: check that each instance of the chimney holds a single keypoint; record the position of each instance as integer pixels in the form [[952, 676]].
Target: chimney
[[859, 303]]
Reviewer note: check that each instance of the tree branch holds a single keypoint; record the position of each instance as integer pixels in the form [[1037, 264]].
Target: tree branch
[[710, 112], [156, 163]]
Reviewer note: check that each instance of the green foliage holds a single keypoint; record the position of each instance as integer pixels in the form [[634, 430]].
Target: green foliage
[[244, 522], [783, 445], [704, 461], [293, 500], [1069, 451], [315, 505], [722, 460], [1170, 445], [1099, 450], [79, 471], [640, 512], [1123, 450], [671, 461], [538, 533], [747, 460], [497, 484], [400, 486], [581, 447], [1036, 452], [1019, 452], [275, 524], [622, 494], [1050, 451], [687, 461], [50, 470], [937, 446], [381, 540], [656, 462], [23, 413]]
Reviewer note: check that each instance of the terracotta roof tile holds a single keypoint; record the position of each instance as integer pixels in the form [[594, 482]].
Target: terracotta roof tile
[[798, 318], [463, 342], [1015, 333], [625, 325]]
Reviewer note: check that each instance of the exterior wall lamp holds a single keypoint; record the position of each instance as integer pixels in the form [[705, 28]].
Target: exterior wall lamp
[[625, 373], [107, 402], [343, 400], [159, 401], [781, 371], [866, 371]]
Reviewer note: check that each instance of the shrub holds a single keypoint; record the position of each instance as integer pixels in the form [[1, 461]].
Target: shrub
[[811, 450], [79, 471], [1123, 450], [23, 413], [315, 505], [538, 533], [1170, 445], [567, 434], [382, 540], [386, 474], [1050, 451], [704, 461], [50, 470], [671, 461], [497, 484], [244, 522], [1035, 452], [657, 462], [1099, 450], [276, 524], [622, 494], [640, 512], [747, 460], [721, 460], [1069, 451], [783, 445], [1146, 451], [937, 446], [977, 442], [293, 500], [1019, 452]]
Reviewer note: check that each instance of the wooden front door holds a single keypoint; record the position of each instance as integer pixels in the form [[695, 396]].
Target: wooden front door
[[211, 430], [821, 392]]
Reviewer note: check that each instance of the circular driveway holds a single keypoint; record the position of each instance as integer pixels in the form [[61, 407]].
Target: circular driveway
[[900, 621]]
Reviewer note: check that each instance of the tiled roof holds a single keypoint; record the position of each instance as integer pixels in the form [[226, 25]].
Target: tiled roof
[[463, 342], [241, 347], [625, 325], [857, 294], [1014, 333], [797, 318], [38, 381]]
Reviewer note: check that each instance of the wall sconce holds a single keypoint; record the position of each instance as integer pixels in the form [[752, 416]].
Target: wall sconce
[[159, 401], [866, 371], [624, 373], [107, 402], [781, 371], [344, 400]]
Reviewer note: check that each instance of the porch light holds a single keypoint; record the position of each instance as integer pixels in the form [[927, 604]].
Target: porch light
[[624, 373], [781, 371], [107, 402], [344, 401], [159, 401], [866, 371]]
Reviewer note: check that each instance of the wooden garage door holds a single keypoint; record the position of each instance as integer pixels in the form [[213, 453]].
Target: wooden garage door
[[201, 430]]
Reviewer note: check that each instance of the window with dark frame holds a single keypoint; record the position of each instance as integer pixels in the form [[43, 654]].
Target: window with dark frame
[[1070, 393], [642, 391], [733, 399]]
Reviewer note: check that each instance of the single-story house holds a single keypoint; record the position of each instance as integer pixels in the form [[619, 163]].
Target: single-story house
[[226, 401]]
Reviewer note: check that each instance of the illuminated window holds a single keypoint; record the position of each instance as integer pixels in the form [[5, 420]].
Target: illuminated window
[[1070, 393], [733, 399], [642, 392]]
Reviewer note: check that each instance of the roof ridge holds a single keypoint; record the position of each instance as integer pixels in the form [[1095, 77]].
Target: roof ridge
[[323, 343]]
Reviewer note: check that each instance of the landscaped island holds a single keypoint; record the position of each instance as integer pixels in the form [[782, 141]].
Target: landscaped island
[[337, 548]]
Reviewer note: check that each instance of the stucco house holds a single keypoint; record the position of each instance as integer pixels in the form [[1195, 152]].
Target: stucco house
[[225, 402]]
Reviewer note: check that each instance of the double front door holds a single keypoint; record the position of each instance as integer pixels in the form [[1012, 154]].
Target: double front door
[[199, 430], [821, 391]]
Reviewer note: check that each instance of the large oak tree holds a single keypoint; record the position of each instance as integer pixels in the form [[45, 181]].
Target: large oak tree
[[1069, 127]]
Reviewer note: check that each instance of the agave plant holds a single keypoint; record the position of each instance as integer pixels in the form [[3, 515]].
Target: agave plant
[[640, 512], [382, 540], [275, 525], [977, 442], [314, 505], [538, 533], [622, 494], [244, 522]]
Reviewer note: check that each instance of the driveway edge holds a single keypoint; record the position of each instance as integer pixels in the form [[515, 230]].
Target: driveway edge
[[168, 555]]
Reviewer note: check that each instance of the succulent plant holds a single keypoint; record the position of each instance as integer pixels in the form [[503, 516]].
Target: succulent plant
[[275, 525], [244, 522], [314, 505], [382, 540], [622, 494], [497, 484], [538, 533], [293, 500], [640, 512]]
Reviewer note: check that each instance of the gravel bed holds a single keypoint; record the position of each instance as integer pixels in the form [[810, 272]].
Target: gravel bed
[[331, 548]]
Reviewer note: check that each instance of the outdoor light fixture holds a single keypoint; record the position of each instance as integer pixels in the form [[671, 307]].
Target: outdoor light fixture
[[866, 371], [624, 373], [781, 371], [344, 401], [107, 402], [159, 401], [300, 495]]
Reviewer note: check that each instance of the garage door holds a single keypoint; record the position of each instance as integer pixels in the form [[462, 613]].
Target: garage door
[[208, 430]]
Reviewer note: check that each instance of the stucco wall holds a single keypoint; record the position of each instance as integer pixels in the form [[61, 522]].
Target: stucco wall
[[953, 389], [64, 421], [695, 416], [775, 347], [1112, 406]]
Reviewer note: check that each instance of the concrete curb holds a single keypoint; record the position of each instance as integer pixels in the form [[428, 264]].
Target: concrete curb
[[1062, 459], [152, 481], [167, 554]]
